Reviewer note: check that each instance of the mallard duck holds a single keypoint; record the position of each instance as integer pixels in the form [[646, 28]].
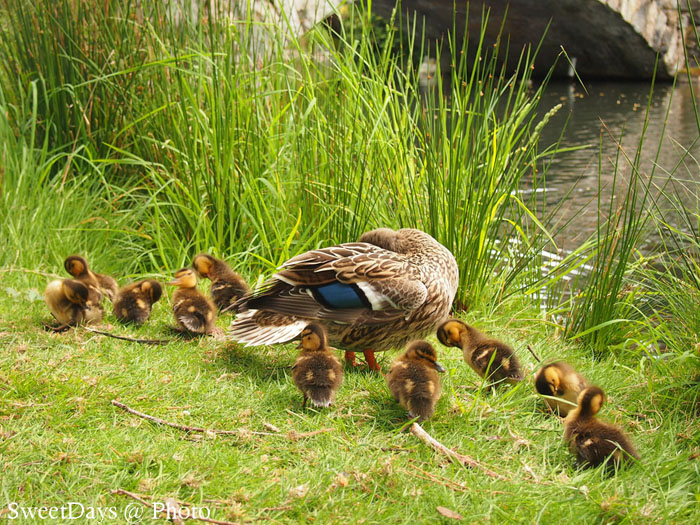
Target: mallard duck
[[593, 441], [316, 372], [373, 295], [413, 379], [562, 381], [77, 266], [482, 353], [193, 311], [69, 302], [227, 286], [133, 302]]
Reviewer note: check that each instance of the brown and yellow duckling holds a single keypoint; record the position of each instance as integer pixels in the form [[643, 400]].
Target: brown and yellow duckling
[[193, 311], [316, 372], [482, 353], [560, 380], [413, 379], [594, 442], [70, 303], [226, 285], [134, 301], [77, 266]]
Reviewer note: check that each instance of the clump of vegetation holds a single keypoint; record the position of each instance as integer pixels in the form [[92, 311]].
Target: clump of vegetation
[[140, 139]]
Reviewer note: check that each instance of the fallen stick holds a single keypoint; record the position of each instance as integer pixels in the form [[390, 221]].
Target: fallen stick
[[426, 438], [442, 480], [534, 354], [124, 338], [170, 508], [294, 436], [200, 430]]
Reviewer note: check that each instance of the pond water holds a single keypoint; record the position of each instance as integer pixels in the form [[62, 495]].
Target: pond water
[[619, 107]]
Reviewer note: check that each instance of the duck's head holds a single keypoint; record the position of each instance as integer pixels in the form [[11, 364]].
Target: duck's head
[[423, 352], [548, 381], [184, 278], [590, 400], [76, 265], [313, 338], [383, 237], [204, 264], [152, 289], [75, 291], [453, 332]]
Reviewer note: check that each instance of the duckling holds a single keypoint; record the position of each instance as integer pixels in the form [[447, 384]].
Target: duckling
[[133, 302], [413, 379], [226, 285], [77, 266], [560, 380], [193, 312], [482, 353], [593, 441], [69, 302], [316, 372]]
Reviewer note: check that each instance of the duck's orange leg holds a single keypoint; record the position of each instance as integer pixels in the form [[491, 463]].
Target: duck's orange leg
[[350, 358], [371, 361]]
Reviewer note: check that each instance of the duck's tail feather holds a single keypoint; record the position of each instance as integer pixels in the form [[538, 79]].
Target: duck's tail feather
[[255, 328]]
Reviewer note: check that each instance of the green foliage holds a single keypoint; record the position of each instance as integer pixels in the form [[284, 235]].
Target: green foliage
[[233, 150], [57, 418]]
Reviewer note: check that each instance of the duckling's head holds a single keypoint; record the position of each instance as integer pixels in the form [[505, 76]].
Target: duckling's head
[[452, 332], [76, 265], [152, 289], [184, 278], [548, 381], [590, 400], [75, 291], [313, 338], [204, 264], [423, 352]]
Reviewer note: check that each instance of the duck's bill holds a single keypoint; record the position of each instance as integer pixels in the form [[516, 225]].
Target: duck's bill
[[439, 367]]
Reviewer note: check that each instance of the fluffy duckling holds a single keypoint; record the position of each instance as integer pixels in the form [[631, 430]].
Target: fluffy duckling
[[193, 312], [134, 301], [481, 352], [593, 441], [77, 266], [413, 379], [69, 302], [226, 285], [562, 381], [316, 372]]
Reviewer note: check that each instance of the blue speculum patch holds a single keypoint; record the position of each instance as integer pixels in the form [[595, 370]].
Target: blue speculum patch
[[338, 295]]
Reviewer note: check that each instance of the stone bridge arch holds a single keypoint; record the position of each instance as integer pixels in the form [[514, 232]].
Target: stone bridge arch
[[608, 38]]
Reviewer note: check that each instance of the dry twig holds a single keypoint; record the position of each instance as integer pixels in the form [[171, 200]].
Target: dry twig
[[534, 354], [295, 436], [292, 435], [421, 434], [442, 480], [124, 338]]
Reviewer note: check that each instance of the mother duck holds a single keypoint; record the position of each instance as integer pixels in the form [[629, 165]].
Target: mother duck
[[379, 293]]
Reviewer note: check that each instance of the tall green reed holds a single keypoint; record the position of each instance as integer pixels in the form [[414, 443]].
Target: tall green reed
[[44, 217], [260, 152]]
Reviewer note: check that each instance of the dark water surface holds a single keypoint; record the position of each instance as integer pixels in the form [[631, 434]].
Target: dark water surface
[[619, 107]]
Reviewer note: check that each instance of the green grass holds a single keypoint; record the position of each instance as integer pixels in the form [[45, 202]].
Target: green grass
[[64, 441], [142, 142]]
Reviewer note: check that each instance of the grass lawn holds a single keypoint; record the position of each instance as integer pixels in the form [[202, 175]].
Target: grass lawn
[[61, 440]]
